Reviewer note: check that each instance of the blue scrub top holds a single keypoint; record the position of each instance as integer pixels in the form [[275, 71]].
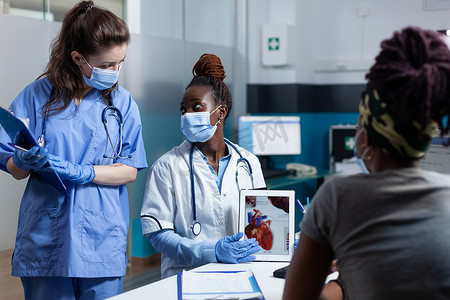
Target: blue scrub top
[[86, 235]]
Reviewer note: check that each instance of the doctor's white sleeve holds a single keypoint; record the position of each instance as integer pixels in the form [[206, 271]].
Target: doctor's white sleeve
[[258, 175], [184, 250], [158, 205]]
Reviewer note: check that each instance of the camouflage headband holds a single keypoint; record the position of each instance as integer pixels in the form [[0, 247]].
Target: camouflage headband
[[399, 137]]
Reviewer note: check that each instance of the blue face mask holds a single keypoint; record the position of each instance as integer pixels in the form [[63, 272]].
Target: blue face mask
[[360, 161], [101, 79], [197, 127]]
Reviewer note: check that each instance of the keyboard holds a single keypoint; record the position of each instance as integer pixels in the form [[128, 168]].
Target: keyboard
[[281, 272]]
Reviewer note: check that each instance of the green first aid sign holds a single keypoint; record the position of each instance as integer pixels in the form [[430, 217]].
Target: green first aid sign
[[349, 142], [274, 43]]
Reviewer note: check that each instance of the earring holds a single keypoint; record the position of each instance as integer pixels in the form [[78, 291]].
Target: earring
[[365, 152]]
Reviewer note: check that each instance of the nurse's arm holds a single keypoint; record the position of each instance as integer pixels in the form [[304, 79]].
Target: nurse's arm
[[15, 171], [114, 174]]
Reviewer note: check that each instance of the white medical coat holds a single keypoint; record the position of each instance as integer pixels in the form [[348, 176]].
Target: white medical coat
[[168, 198]]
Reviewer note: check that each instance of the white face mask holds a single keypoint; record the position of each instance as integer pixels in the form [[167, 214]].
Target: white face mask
[[197, 127]]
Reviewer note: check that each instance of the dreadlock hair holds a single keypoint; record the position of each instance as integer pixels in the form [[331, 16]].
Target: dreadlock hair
[[89, 30], [209, 72], [412, 76]]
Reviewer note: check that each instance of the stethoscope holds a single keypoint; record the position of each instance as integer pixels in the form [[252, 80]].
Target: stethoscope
[[196, 227], [113, 111], [118, 116]]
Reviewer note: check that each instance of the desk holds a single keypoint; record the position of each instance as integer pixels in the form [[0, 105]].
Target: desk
[[286, 180], [166, 289]]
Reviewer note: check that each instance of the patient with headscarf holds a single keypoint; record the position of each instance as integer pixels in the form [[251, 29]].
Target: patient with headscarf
[[389, 228]]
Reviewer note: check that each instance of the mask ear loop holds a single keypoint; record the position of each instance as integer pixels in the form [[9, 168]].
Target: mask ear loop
[[218, 121], [364, 145], [87, 62], [365, 152]]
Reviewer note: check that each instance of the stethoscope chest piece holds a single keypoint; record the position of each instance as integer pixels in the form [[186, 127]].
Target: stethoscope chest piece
[[196, 228]]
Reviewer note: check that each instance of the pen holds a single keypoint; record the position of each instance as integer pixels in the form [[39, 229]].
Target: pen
[[307, 202], [23, 149], [301, 206]]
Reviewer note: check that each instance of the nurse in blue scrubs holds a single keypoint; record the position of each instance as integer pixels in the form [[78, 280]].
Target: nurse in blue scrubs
[[74, 246]]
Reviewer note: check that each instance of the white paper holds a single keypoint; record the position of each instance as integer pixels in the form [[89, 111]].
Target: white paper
[[218, 285]]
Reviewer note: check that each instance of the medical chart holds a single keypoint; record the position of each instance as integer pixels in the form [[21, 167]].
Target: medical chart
[[218, 285]]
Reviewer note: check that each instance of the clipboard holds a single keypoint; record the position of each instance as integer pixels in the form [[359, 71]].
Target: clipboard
[[269, 216], [218, 285], [13, 127]]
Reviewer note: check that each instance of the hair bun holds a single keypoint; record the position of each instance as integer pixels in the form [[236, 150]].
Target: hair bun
[[209, 65]]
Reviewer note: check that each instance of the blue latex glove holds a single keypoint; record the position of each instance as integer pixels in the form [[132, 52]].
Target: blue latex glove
[[73, 172], [295, 244], [35, 158], [230, 250]]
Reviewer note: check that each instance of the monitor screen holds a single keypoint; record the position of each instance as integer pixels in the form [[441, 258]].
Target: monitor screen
[[437, 157], [342, 141], [270, 135], [342, 145]]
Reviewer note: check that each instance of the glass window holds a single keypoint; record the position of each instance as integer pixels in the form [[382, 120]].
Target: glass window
[[52, 10], [162, 18], [203, 21], [210, 21]]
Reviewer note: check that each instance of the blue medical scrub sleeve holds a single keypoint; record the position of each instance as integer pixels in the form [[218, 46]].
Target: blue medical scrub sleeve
[[132, 144]]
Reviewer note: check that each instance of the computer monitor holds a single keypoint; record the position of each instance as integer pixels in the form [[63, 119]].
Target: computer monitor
[[437, 157], [270, 135], [342, 145], [266, 136]]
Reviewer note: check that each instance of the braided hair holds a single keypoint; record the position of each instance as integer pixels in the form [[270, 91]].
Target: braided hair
[[412, 76], [209, 72]]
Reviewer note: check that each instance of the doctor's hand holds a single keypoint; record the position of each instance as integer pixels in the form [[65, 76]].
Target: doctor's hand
[[34, 158], [230, 250], [73, 172]]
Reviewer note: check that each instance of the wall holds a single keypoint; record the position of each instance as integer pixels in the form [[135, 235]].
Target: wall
[[325, 32], [333, 44], [329, 31], [156, 72], [24, 54]]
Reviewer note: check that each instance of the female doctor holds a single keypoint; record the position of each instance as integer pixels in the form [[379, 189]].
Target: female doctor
[[190, 207], [73, 246]]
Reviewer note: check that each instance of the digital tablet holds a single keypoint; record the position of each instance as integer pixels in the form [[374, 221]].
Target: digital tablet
[[269, 216]]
